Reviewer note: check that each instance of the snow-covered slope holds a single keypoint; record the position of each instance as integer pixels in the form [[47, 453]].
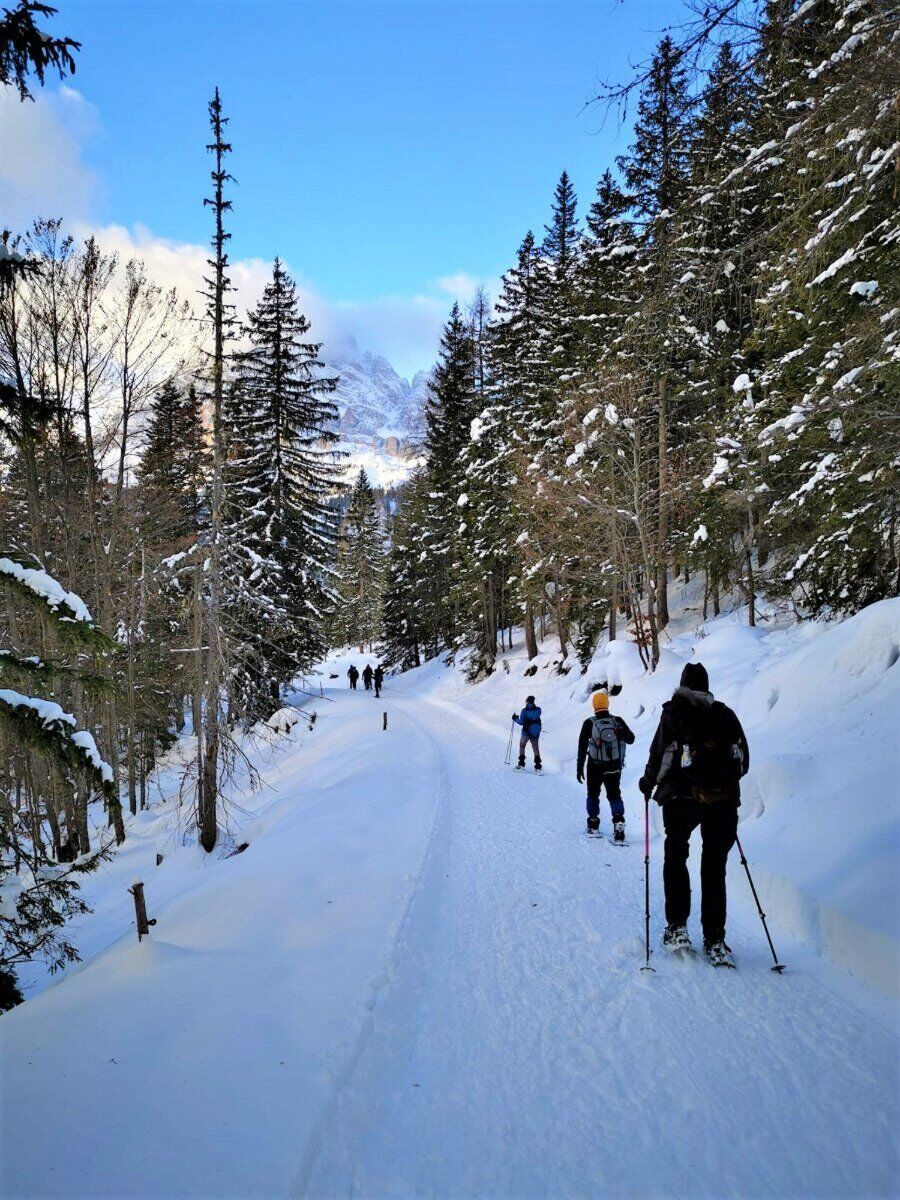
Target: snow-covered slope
[[381, 417], [420, 978], [821, 707]]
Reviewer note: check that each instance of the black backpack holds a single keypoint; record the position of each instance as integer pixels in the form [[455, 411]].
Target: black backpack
[[711, 756]]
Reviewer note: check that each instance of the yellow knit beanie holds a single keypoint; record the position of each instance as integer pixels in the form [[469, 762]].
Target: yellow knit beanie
[[600, 701]]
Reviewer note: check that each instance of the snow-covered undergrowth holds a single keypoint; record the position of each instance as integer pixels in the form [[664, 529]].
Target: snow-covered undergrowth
[[820, 819]]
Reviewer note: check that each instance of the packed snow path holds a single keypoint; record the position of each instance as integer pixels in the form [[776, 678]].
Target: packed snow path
[[519, 1051], [422, 979]]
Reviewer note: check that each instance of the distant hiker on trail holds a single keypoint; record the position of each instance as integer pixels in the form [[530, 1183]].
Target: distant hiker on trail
[[530, 720], [353, 675], [378, 679], [697, 757], [367, 677], [601, 744]]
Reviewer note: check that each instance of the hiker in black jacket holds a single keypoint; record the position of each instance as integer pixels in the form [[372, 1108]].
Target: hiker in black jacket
[[367, 676], [698, 755], [378, 680], [353, 675], [601, 744]]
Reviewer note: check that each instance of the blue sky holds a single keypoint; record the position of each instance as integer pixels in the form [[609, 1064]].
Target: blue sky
[[388, 151]]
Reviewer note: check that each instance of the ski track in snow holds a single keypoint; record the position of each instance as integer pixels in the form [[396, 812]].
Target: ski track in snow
[[518, 1051]]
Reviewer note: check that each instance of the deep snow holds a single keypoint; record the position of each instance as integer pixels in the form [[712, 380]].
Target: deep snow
[[422, 978]]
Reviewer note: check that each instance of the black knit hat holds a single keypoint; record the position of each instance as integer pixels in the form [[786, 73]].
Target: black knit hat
[[529, 699], [694, 676]]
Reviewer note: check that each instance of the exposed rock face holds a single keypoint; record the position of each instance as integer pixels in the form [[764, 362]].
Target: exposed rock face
[[382, 418], [377, 406]]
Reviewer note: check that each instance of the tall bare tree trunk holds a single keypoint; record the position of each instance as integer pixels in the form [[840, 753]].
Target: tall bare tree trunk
[[662, 578], [207, 800]]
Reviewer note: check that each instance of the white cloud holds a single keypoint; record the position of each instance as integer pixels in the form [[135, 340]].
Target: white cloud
[[44, 174]]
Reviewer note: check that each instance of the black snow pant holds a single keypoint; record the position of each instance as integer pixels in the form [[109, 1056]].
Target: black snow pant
[[718, 829], [353, 684], [597, 779], [377, 690]]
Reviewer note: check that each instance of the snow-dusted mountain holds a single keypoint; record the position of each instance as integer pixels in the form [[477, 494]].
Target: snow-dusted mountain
[[381, 417]]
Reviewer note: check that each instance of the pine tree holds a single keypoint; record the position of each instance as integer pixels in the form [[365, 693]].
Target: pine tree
[[172, 512], [828, 331], [410, 605], [360, 568], [174, 466], [656, 172], [448, 418], [51, 766], [211, 742], [716, 247], [280, 527], [26, 49]]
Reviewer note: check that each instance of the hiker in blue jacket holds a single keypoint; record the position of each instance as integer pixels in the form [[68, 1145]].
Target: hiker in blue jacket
[[530, 720]]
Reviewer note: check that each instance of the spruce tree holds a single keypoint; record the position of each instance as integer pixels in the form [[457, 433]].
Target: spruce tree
[[656, 172], [448, 418], [280, 477], [360, 567]]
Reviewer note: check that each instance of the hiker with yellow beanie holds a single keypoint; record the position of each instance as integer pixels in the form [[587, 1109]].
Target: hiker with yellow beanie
[[601, 745]]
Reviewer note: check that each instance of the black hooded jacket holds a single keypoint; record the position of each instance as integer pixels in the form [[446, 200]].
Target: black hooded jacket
[[677, 717]]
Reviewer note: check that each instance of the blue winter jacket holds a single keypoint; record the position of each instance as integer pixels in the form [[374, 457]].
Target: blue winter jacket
[[530, 720]]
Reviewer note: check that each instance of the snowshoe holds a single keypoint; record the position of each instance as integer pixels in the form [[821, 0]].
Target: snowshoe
[[520, 766], [677, 940], [618, 838], [719, 955], [538, 768], [593, 827]]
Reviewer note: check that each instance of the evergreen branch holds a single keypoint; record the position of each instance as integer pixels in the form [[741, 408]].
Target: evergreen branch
[[44, 726], [24, 48]]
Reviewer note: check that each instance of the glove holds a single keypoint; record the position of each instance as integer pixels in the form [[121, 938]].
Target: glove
[[580, 777], [646, 788], [514, 716]]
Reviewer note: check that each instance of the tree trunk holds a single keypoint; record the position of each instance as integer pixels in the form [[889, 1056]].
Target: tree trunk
[[662, 580], [531, 647], [613, 611]]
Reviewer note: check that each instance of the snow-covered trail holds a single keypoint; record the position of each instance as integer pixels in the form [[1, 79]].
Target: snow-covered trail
[[518, 1050]]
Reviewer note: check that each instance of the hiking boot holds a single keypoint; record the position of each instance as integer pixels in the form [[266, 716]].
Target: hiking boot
[[676, 937], [719, 954], [520, 765], [593, 824], [618, 831], [537, 765]]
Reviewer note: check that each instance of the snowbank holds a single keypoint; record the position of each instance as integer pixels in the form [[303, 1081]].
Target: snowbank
[[820, 820], [217, 1043]]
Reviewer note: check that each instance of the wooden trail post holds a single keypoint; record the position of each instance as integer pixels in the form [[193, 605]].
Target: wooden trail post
[[384, 726], [140, 910]]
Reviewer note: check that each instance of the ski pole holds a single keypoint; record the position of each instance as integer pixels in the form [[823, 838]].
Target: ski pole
[[508, 758], [779, 967], [646, 966]]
